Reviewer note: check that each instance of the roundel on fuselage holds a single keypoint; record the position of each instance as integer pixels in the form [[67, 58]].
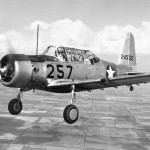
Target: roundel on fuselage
[[110, 71]]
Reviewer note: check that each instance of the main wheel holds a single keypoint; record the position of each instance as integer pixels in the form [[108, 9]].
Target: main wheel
[[15, 106], [131, 88], [71, 114]]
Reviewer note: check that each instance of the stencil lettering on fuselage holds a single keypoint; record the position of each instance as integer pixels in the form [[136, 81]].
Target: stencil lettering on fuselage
[[110, 71]]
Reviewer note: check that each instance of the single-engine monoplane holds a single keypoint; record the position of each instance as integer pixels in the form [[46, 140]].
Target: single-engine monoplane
[[69, 70]]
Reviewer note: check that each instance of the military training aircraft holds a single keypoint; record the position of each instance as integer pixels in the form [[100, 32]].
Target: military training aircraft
[[69, 70]]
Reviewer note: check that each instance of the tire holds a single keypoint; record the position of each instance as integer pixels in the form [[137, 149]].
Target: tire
[[71, 114], [131, 88], [13, 106]]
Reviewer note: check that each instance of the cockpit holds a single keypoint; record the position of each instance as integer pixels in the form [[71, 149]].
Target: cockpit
[[67, 54]]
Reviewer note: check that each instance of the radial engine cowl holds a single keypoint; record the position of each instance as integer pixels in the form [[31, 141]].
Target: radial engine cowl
[[17, 70]]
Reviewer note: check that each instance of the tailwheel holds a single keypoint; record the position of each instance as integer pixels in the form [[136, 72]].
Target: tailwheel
[[131, 88], [71, 114], [15, 106]]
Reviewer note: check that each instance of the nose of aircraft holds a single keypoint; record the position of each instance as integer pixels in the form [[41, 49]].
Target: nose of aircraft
[[7, 71], [7, 67]]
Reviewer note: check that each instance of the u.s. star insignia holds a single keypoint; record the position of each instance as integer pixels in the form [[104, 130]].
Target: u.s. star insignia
[[110, 71]]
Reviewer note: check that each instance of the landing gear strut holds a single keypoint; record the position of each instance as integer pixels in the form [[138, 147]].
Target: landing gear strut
[[73, 94], [131, 88], [71, 112], [15, 105]]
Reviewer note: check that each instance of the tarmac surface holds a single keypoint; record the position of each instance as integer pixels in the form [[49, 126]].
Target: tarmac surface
[[113, 119]]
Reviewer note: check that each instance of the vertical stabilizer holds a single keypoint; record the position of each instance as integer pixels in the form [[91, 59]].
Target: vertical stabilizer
[[128, 56]]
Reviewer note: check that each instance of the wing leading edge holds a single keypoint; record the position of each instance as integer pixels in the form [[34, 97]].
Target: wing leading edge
[[102, 83]]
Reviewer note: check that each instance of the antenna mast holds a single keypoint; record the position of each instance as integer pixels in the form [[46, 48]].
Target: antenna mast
[[37, 40]]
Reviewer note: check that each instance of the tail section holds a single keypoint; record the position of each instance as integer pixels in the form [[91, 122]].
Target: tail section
[[128, 56]]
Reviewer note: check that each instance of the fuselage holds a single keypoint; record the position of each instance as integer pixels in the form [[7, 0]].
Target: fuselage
[[50, 71], [67, 65]]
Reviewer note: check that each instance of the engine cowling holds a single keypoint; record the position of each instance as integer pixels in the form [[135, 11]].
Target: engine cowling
[[17, 70]]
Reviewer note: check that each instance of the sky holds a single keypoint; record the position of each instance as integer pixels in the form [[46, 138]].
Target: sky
[[97, 25]]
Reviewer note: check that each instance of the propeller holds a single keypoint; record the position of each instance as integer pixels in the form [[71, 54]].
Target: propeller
[[7, 62], [37, 41]]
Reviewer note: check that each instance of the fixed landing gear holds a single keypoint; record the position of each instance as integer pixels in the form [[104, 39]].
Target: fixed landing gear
[[15, 105], [71, 112], [131, 88]]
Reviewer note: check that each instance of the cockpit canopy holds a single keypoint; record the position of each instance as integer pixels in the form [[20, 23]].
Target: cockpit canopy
[[67, 54]]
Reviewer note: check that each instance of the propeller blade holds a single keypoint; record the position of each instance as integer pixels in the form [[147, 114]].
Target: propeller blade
[[37, 40]]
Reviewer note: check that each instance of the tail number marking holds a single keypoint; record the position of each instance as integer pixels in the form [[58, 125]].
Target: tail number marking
[[127, 57], [60, 71]]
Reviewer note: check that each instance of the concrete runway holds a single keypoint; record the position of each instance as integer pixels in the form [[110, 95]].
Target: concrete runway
[[114, 119]]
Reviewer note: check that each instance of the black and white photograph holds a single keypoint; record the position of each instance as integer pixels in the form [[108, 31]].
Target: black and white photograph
[[75, 74]]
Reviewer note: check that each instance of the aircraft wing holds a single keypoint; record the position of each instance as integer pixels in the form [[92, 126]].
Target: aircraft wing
[[128, 79]]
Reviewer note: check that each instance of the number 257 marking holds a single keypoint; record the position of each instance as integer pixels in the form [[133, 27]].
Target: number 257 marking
[[60, 71]]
